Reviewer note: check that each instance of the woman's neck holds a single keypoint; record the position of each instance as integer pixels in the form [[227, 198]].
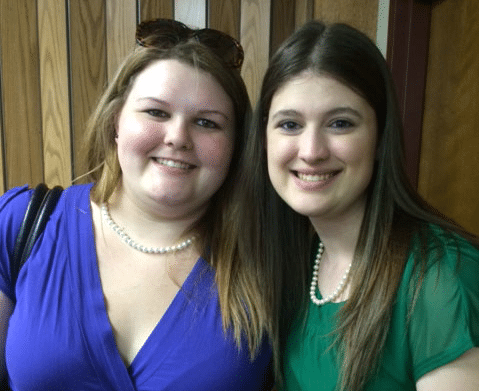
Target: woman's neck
[[340, 234]]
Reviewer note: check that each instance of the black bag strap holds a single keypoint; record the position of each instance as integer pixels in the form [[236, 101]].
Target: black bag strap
[[40, 207]]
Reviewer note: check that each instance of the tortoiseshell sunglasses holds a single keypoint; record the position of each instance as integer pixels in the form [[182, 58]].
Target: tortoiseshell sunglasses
[[166, 33]]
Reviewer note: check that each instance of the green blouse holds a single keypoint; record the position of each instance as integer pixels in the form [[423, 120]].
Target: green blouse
[[444, 325]]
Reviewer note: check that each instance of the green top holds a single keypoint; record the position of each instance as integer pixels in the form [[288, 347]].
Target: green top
[[444, 325]]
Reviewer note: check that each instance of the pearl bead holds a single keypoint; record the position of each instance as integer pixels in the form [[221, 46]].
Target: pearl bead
[[314, 282], [130, 242]]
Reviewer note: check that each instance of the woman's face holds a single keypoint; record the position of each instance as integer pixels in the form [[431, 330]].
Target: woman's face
[[321, 146], [175, 137]]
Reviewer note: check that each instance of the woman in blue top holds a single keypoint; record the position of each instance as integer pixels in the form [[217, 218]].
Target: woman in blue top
[[380, 292], [136, 282]]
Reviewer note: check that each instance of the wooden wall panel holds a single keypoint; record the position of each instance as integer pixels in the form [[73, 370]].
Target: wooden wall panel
[[54, 92], [407, 52], [57, 56], [360, 14], [225, 16], [282, 22], [304, 11], [21, 109], [121, 26], [255, 38], [88, 67], [153, 9], [448, 174]]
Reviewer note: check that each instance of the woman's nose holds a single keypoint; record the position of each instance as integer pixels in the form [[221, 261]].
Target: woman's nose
[[177, 134], [313, 145]]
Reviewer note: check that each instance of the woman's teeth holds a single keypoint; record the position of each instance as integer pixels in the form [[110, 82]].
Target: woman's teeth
[[174, 164], [314, 178]]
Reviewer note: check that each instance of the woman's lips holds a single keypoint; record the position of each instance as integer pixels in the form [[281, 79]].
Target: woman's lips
[[174, 163], [314, 177]]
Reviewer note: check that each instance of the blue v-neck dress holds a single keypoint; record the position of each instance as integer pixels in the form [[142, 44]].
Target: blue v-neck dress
[[59, 335]]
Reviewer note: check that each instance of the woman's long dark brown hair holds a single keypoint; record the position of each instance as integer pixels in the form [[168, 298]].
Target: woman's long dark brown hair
[[393, 214]]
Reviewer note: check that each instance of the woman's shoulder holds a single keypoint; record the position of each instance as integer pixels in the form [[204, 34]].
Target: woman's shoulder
[[442, 247], [79, 190], [77, 194], [16, 196], [442, 270], [440, 294], [443, 273], [13, 205], [20, 195], [14, 202]]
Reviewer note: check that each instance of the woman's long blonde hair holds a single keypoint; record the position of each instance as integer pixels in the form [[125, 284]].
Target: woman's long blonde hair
[[240, 293]]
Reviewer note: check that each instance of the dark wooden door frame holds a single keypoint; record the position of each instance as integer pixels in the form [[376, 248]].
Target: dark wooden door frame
[[407, 54]]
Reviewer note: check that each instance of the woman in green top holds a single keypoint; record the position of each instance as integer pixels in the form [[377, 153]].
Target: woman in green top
[[375, 290]]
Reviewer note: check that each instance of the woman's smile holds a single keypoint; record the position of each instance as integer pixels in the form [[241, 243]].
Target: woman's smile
[[174, 163], [175, 137], [321, 146]]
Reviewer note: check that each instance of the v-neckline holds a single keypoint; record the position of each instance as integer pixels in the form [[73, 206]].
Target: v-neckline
[[177, 300], [92, 308], [100, 297]]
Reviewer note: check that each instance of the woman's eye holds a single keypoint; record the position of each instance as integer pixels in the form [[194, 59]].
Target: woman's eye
[[206, 123], [288, 125], [157, 113], [341, 124]]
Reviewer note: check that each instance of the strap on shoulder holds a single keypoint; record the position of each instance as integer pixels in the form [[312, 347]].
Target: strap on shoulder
[[41, 205]]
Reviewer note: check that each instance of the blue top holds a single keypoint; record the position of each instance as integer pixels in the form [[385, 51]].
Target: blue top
[[443, 325], [59, 335]]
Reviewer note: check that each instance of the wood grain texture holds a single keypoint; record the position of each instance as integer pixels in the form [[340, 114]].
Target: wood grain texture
[[304, 11], [448, 174], [225, 16], [407, 50], [282, 22], [54, 65], [120, 26], [255, 38], [359, 14], [22, 125], [153, 9], [55, 97], [88, 68]]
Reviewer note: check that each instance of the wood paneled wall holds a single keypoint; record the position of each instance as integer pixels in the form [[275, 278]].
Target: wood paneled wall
[[448, 173], [57, 56]]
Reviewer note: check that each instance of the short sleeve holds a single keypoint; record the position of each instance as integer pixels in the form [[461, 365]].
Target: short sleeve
[[13, 205], [445, 320]]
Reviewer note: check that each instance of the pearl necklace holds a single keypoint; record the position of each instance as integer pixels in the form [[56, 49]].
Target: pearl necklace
[[314, 283], [148, 250]]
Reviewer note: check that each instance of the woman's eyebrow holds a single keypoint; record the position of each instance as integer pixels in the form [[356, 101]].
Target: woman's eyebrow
[[285, 113], [345, 109], [218, 112], [334, 111]]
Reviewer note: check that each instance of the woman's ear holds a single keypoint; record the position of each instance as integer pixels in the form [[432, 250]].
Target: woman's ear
[[116, 121]]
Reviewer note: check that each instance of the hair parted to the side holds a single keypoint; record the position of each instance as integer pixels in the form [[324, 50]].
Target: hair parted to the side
[[393, 214], [238, 278]]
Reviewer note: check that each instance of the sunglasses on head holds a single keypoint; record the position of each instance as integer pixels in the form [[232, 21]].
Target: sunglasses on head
[[166, 33]]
